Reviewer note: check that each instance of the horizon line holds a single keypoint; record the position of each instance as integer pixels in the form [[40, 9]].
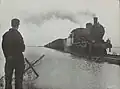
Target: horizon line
[[43, 46]]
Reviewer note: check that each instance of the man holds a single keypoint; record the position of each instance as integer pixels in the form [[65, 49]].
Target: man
[[13, 46]]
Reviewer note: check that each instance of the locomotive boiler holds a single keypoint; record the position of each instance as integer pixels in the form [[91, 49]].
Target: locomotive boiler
[[90, 40]]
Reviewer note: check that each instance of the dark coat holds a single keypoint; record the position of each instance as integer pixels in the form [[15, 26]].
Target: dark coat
[[12, 43]]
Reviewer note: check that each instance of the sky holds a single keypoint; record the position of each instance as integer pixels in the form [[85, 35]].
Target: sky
[[43, 21]]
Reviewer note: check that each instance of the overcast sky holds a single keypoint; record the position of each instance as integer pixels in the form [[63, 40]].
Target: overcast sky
[[45, 20]]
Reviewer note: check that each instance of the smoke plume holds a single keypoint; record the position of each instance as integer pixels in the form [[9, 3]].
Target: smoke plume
[[64, 15]]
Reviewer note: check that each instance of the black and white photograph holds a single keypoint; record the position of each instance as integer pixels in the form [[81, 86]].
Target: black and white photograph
[[59, 44]]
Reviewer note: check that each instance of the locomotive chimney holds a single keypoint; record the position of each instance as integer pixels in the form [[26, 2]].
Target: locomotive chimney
[[95, 20]]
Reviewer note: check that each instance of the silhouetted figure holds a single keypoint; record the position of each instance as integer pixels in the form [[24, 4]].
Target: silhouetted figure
[[13, 46]]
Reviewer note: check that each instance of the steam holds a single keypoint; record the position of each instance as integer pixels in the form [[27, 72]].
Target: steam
[[64, 15], [36, 24], [87, 13]]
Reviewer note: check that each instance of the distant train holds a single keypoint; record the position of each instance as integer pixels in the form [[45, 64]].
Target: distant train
[[89, 40]]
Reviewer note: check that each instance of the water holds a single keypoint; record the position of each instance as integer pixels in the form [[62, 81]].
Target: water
[[116, 50], [59, 70]]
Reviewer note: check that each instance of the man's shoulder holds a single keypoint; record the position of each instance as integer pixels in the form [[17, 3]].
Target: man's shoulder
[[10, 32], [18, 33], [15, 32], [5, 34]]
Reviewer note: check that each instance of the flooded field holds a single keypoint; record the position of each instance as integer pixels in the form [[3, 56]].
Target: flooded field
[[59, 70]]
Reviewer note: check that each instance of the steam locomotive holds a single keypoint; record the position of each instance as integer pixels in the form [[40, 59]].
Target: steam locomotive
[[89, 40]]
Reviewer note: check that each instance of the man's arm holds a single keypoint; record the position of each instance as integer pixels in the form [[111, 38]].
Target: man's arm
[[21, 42], [4, 46], [22, 45]]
